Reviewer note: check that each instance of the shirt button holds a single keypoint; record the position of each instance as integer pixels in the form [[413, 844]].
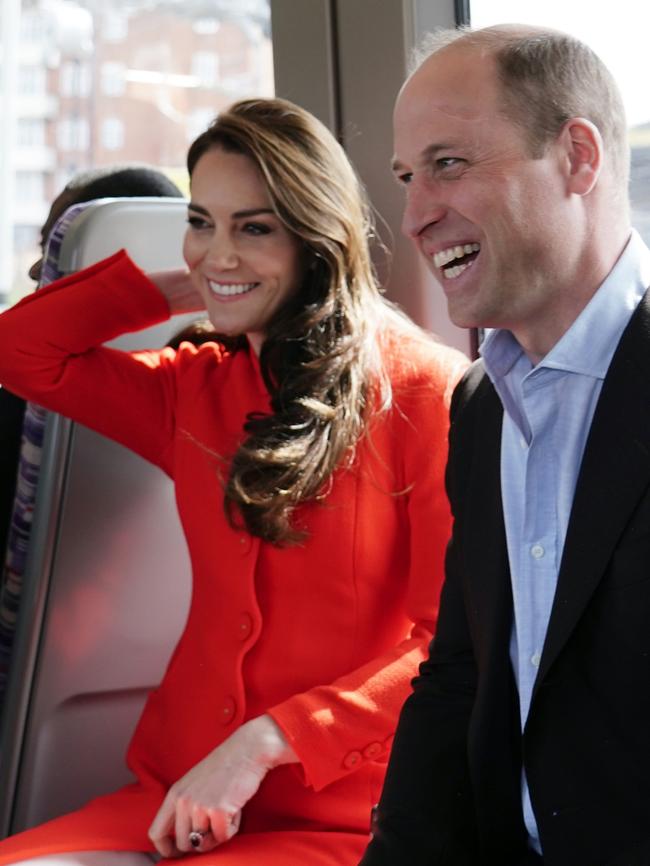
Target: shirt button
[[245, 626], [537, 551], [523, 443], [535, 659], [351, 760], [228, 710]]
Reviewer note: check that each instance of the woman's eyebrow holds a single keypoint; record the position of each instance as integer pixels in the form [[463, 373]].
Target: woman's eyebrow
[[197, 207], [252, 212], [237, 214]]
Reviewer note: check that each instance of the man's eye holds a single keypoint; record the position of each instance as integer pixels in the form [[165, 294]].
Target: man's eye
[[448, 162], [405, 178]]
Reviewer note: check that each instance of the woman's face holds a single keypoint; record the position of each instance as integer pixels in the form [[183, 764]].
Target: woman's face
[[243, 261]]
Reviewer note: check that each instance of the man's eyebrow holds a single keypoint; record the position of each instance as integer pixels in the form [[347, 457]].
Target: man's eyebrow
[[428, 154], [240, 214], [434, 149]]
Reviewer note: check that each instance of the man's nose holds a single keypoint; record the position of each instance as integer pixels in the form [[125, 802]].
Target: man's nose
[[424, 208]]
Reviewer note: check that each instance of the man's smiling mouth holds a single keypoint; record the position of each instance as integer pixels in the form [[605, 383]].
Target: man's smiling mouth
[[462, 254]]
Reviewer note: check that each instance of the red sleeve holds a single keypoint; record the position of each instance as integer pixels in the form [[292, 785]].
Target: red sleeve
[[52, 354], [334, 728]]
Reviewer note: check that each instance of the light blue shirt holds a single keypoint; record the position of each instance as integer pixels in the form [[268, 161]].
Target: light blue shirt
[[548, 412]]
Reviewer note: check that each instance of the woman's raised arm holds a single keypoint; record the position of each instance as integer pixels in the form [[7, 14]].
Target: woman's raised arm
[[53, 352]]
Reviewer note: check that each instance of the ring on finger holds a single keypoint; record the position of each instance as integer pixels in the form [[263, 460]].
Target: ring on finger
[[196, 837]]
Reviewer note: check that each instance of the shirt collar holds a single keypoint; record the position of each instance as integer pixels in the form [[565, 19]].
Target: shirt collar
[[589, 344]]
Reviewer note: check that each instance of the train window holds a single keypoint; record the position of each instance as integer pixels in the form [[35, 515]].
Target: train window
[[84, 84], [622, 47]]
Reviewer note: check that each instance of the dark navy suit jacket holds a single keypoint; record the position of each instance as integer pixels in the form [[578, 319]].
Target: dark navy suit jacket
[[452, 793]]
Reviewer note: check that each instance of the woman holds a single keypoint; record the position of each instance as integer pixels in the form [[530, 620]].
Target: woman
[[307, 448]]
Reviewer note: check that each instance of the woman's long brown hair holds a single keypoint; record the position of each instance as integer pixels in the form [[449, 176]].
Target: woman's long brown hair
[[320, 357]]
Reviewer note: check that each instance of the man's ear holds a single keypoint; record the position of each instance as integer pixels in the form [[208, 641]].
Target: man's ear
[[583, 146]]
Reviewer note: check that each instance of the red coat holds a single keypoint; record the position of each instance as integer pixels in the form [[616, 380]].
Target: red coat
[[324, 636]]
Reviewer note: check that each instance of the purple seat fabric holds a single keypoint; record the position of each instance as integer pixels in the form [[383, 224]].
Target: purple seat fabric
[[29, 461]]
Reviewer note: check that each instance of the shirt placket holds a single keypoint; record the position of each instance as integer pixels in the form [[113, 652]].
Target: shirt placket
[[538, 547]]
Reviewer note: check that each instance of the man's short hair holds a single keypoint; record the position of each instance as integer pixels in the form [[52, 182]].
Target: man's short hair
[[547, 77]]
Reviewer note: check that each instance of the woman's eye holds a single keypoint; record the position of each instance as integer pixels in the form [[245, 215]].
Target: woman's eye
[[405, 178], [196, 222], [256, 229]]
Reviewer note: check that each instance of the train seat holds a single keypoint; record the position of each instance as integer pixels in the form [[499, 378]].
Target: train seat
[[94, 538]]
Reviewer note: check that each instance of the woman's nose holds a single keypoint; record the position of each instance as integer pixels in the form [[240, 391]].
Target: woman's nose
[[222, 254]]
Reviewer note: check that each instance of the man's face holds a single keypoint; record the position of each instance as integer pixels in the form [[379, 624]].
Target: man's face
[[493, 224]]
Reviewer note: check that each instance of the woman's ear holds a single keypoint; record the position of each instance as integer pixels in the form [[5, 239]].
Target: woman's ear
[[583, 146]]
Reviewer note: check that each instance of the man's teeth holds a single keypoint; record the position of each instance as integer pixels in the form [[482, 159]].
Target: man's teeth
[[444, 257], [227, 289], [456, 271]]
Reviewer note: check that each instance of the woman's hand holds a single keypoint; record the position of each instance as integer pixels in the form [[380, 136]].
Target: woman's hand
[[178, 290], [210, 797]]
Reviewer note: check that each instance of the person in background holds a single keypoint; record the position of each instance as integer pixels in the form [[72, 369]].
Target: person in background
[[525, 740], [307, 445]]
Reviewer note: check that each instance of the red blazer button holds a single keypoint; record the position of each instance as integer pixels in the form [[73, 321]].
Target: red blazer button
[[351, 760], [373, 750]]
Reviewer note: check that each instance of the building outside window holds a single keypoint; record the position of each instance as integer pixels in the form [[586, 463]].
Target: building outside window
[[30, 132], [113, 77], [112, 133], [205, 66], [32, 80], [75, 79], [132, 82], [73, 133], [29, 186]]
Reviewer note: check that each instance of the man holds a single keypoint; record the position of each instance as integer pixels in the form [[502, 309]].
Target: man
[[525, 740]]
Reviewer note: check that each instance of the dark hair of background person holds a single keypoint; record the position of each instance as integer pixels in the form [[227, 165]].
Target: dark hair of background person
[[321, 355]]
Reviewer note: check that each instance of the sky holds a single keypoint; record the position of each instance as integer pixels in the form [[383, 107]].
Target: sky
[[622, 43]]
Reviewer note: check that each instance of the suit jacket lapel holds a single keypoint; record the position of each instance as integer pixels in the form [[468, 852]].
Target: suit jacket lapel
[[490, 598], [615, 471]]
